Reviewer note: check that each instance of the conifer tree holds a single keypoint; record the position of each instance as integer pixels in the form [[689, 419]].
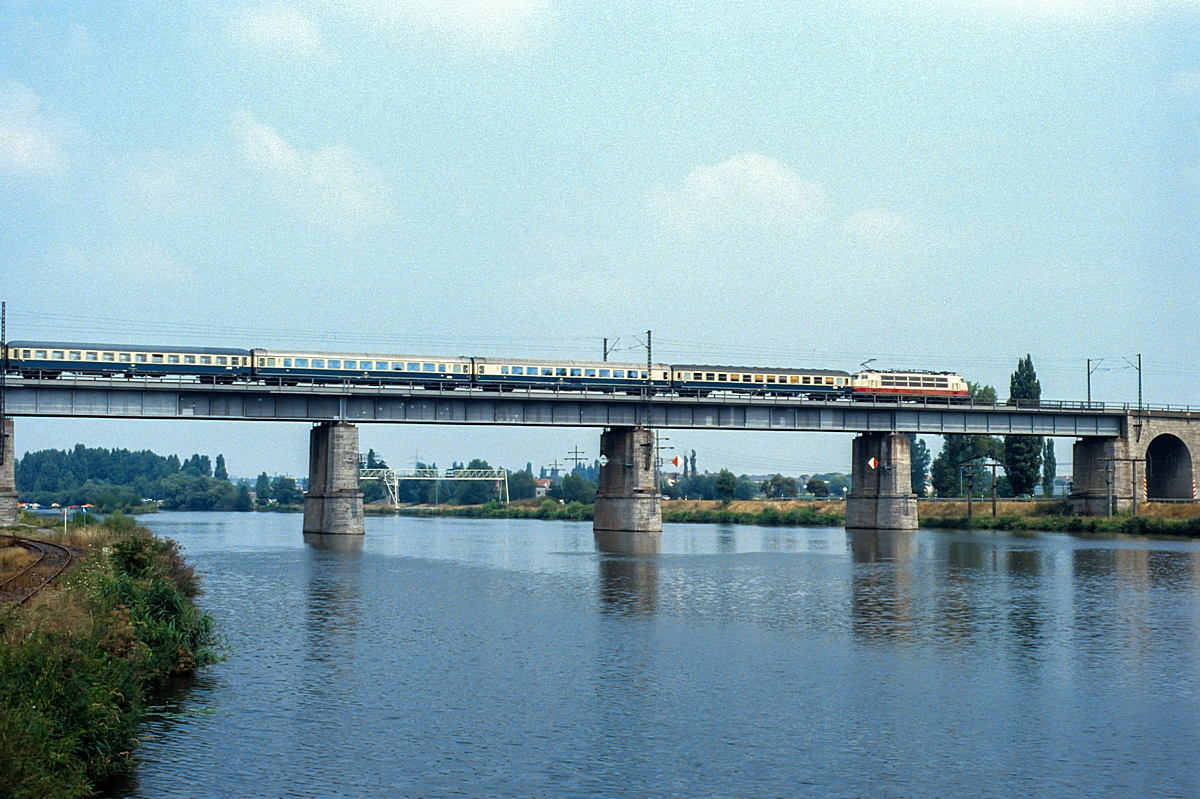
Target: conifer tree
[[1023, 454], [220, 472], [1049, 468]]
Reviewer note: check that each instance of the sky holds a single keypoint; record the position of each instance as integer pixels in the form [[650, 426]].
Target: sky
[[932, 184]]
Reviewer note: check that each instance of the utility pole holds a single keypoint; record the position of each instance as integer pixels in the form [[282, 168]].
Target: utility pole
[[608, 350], [970, 488], [1091, 369], [1139, 381], [993, 489], [1135, 486], [576, 455], [1108, 479]]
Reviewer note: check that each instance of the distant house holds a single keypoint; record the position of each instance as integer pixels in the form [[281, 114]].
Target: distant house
[[543, 487]]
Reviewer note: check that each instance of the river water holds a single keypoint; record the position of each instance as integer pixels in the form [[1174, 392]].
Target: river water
[[508, 658]]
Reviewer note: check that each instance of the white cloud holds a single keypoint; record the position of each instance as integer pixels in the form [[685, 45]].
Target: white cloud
[[874, 227], [30, 142], [749, 193], [332, 185], [485, 24], [121, 261], [1186, 83], [278, 32]]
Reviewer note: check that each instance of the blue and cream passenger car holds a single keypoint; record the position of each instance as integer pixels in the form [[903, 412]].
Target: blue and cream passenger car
[[53, 358], [702, 379], [600, 375], [295, 365]]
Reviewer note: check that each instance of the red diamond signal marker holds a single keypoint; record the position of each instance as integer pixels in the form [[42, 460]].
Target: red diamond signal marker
[[676, 460], [872, 463]]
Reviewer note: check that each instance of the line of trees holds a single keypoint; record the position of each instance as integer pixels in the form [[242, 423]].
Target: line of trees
[[119, 479]]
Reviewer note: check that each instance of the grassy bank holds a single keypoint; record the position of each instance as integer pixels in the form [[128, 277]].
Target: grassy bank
[[78, 660], [821, 514], [1054, 516]]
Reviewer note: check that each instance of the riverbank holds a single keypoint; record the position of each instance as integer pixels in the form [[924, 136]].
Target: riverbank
[[1048, 515], [79, 659], [794, 514]]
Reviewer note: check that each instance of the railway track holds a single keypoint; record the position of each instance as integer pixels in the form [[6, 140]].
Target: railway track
[[50, 562]]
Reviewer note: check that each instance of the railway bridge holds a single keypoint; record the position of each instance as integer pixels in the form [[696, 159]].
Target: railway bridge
[[1122, 453]]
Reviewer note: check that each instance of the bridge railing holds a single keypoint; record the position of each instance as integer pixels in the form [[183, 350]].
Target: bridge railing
[[183, 382]]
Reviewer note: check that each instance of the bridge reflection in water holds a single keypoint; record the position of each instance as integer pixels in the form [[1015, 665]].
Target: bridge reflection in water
[[629, 571]]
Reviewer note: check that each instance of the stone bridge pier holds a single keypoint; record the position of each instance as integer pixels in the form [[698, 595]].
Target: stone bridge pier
[[1153, 459], [881, 496], [333, 504], [628, 515], [8, 477]]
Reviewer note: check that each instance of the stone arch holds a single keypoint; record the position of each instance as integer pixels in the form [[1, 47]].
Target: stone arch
[[1168, 468]]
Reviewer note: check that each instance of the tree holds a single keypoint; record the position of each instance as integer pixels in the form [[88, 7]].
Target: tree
[[575, 489], [198, 465], [920, 459], [262, 490], [374, 462], [1049, 468], [220, 472], [694, 472], [957, 451], [285, 492], [1023, 454], [726, 483], [818, 488], [521, 485], [242, 503]]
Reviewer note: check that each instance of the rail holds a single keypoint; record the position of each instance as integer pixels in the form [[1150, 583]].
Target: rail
[[50, 562], [379, 387]]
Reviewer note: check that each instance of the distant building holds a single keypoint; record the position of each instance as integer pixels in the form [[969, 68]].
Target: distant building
[[543, 487]]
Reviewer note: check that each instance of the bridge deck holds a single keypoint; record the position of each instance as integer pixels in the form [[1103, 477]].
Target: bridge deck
[[167, 399]]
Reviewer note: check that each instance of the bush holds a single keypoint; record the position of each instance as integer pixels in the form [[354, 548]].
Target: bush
[[75, 667]]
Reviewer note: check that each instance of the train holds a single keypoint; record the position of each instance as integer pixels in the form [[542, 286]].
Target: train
[[51, 359]]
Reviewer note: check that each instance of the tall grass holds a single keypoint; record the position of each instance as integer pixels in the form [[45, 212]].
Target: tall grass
[[76, 664]]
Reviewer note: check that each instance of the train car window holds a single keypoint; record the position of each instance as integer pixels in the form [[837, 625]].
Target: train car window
[[189, 359], [172, 359], [645, 375], [350, 364], [592, 373], [91, 356], [288, 362], [576, 373], [429, 367], [140, 357], [829, 381], [503, 370], [74, 356], [396, 367], [108, 356], [414, 367], [547, 371], [722, 377], [560, 371], [206, 360], [441, 367], [41, 354], [334, 364], [262, 361], [59, 355], [806, 380], [709, 376], [26, 354], [618, 372], [770, 378], [155, 358], [518, 370], [318, 363], [302, 362], [794, 379], [604, 373]]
